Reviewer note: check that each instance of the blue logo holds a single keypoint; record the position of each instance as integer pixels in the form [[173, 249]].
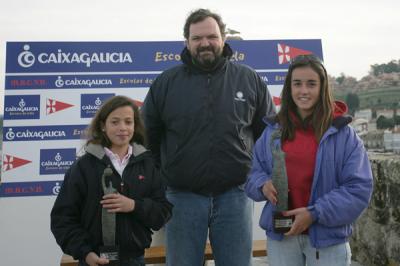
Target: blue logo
[[23, 189], [27, 58], [22, 107], [43, 133], [90, 103], [56, 161]]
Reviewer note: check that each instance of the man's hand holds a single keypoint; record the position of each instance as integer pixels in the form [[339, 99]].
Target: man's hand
[[117, 203]]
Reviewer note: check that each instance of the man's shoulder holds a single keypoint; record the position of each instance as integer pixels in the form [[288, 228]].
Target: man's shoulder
[[242, 70], [247, 75], [166, 79], [242, 67], [172, 71]]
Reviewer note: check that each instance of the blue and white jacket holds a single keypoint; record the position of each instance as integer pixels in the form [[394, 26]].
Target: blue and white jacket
[[341, 188]]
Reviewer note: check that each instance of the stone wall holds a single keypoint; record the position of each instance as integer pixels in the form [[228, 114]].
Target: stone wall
[[376, 236]]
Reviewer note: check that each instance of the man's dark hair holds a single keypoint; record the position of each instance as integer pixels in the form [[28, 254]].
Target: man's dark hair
[[200, 15]]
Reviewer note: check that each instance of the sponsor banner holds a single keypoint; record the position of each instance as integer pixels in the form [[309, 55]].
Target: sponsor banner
[[21, 107], [11, 162], [56, 161], [42, 133], [105, 81], [54, 106], [94, 81], [60, 86], [275, 54], [273, 78], [72, 57], [22, 160], [90, 103], [50, 57], [25, 189]]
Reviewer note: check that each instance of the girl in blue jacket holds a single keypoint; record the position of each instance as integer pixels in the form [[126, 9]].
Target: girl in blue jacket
[[329, 179]]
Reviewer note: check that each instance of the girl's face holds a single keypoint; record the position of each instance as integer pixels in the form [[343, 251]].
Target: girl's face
[[119, 127], [306, 87]]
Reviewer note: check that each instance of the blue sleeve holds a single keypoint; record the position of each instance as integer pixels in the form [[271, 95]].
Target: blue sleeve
[[344, 204], [260, 170]]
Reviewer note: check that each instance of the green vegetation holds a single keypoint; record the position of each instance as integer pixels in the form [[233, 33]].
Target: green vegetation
[[353, 102], [378, 90], [383, 98], [340, 95], [391, 67], [384, 123]]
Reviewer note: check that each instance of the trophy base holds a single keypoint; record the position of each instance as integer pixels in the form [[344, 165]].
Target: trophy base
[[282, 224], [111, 253]]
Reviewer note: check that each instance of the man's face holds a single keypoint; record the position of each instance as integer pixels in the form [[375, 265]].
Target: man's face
[[205, 42]]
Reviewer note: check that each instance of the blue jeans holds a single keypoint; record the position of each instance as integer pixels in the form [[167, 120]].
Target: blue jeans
[[124, 262], [226, 217], [297, 251]]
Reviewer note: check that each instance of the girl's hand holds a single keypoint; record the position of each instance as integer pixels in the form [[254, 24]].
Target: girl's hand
[[269, 192], [302, 220], [93, 260], [117, 203]]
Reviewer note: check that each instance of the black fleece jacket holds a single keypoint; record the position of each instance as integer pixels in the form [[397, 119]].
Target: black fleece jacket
[[76, 214], [202, 125]]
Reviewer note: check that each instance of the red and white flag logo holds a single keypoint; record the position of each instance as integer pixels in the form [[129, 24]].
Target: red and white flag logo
[[53, 106], [138, 103], [287, 53], [12, 162], [276, 100]]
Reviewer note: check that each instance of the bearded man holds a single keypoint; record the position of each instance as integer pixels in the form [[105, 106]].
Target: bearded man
[[202, 118]]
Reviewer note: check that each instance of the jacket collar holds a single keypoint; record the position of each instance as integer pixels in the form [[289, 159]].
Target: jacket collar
[[98, 151], [342, 121], [340, 116], [271, 120], [138, 149]]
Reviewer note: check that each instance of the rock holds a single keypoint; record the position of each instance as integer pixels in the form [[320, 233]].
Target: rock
[[376, 236]]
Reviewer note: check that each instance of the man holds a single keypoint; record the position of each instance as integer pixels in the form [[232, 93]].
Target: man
[[202, 119]]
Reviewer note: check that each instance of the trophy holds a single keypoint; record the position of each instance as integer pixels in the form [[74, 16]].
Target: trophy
[[281, 224], [109, 251]]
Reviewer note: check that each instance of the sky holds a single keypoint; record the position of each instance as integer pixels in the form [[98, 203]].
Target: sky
[[355, 33]]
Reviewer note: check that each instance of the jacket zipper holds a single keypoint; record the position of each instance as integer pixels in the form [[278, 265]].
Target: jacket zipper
[[122, 186], [242, 142]]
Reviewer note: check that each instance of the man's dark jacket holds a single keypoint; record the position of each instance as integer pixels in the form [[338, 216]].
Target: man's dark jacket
[[202, 125]]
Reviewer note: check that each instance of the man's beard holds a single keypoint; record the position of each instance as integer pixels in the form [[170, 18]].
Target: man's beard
[[207, 61]]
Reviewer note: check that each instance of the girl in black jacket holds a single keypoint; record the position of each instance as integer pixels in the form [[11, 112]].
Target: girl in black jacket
[[112, 197]]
